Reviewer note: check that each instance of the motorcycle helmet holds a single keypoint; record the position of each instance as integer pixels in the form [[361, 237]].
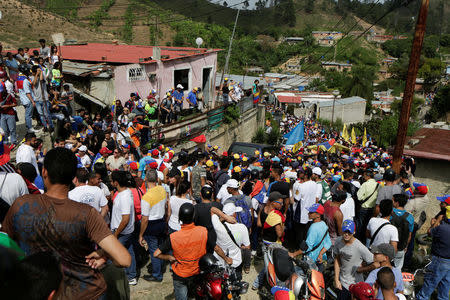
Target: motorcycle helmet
[[24, 69], [207, 262], [186, 213], [207, 192], [254, 174], [389, 175]]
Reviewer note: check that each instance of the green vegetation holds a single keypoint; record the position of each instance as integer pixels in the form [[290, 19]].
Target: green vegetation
[[96, 18], [231, 113], [440, 105], [127, 29]]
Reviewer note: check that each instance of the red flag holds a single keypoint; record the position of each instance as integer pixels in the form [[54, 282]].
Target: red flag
[[199, 139]]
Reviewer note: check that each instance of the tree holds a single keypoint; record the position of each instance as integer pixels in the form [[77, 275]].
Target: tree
[[440, 105], [360, 84], [396, 107], [431, 72]]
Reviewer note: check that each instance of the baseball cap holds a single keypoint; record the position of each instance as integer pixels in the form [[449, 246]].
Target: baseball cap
[[174, 172], [209, 163], [133, 165], [82, 148], [236, 156], [266, 154], [237, 169], [225, 153], [421, 188], [362, 290], [275, 196], [385, 249], [126, 146], [179, 86], [155, 152], [445, 199], [230, 209], [233, 183], [257, 153], [316, 207], [105, 150], [348, 225], [317, 171]]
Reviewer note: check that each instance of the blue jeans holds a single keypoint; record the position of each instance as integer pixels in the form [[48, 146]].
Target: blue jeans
[[259, 281], [154, 236], [8, 124], [44, 114], [180, 289], [436, 275], [28, 115], [127, 241]]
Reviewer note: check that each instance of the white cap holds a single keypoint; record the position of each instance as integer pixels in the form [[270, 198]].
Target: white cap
[[233, 183], [230, 209], [317, 171], [82, 148], [179, 86]]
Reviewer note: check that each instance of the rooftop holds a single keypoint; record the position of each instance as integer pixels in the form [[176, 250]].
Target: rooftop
[[342, 101], [126, 54], [333, 63], [430, 143]]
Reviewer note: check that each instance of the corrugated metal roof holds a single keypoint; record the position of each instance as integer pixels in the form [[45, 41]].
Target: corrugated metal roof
[[433, 144], [246, 80], [89, 97], [342, 101], [126, 54], [84, 69]]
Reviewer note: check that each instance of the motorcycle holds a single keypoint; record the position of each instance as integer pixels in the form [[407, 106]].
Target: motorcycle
[[411, 281], [217, 281], [303, 280]]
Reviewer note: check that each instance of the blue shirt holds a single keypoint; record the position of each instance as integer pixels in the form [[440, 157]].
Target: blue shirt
[[398, 280], [315, 234], [12, 64], [410, 218], [441, 239], [178, 96], [143, 163], [27, 89], [192, 98]]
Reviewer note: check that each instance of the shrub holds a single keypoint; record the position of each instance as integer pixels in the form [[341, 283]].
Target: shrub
[[260, 136]]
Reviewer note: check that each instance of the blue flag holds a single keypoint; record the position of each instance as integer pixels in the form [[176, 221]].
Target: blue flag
[[296, 135]]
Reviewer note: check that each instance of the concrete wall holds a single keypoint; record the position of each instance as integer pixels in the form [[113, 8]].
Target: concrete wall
[[241, 131], [348, 113], [165, 76]]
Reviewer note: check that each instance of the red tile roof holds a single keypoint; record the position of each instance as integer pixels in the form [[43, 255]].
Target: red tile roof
[[126, 54], [289, 99], [433, 144]]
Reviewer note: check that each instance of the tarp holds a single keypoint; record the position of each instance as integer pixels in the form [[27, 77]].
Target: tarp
[[296, 135], [332, 149], [199, 139]]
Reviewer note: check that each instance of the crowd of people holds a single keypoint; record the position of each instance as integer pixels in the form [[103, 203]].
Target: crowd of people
[[106, 197]]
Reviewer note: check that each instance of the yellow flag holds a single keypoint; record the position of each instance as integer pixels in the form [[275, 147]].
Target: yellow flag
[[353, 136], [364, 141], [297, 147], [345, 133]]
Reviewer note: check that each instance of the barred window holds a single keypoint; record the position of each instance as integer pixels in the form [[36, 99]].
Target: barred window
[[136, 74]]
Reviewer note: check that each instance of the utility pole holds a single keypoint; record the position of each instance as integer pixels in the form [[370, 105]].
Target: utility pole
[[335, 49], [156, 31], [335, 94], [408, 95], [227, 59]]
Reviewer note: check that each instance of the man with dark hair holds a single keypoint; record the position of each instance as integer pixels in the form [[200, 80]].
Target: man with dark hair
[[221, 177], [70, 229], [91, 195], [25, 152], [26, 95], [41, 97], [367, 197], [386, 283], [44, 51], [198, 176], [404, 222], [380, 230], [333, 216]]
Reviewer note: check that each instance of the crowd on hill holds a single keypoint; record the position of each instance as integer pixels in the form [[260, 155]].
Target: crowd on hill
[[105, 195]]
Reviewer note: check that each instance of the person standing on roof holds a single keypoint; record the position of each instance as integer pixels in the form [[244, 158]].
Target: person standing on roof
[[192, 100], [255, 92], [178, 97], [225, 90]]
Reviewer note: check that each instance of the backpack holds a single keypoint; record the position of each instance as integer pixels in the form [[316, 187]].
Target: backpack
[[243, 217], [402, 225]]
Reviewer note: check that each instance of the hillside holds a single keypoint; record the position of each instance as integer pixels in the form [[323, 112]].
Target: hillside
[[23, 25]]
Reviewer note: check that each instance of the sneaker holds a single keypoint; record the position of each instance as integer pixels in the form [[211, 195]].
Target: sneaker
[[253, 252], [255, 287], [151, 278], [32, 130], [132, 281]]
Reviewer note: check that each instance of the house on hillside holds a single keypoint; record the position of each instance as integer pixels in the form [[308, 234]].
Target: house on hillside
[[349, 110], [293, 40], [326, 38], [340, 67], [430, 149], [104, 72]]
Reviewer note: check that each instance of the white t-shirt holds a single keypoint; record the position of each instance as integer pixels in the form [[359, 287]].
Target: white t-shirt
[[105, 189], [387, 234], [306, 193], [12, 186], [225, 242], [240, 234], [123, 205], [223, 194], [155, 212], [25, 153], [85, 160], [115, 163], [88, 194], [175, 204], [348, 208]]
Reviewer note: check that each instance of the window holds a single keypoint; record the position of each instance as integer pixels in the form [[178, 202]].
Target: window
[[181, 77], [136, 74]]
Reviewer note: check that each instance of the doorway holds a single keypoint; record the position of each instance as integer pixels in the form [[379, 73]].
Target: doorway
[[206, 85]]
